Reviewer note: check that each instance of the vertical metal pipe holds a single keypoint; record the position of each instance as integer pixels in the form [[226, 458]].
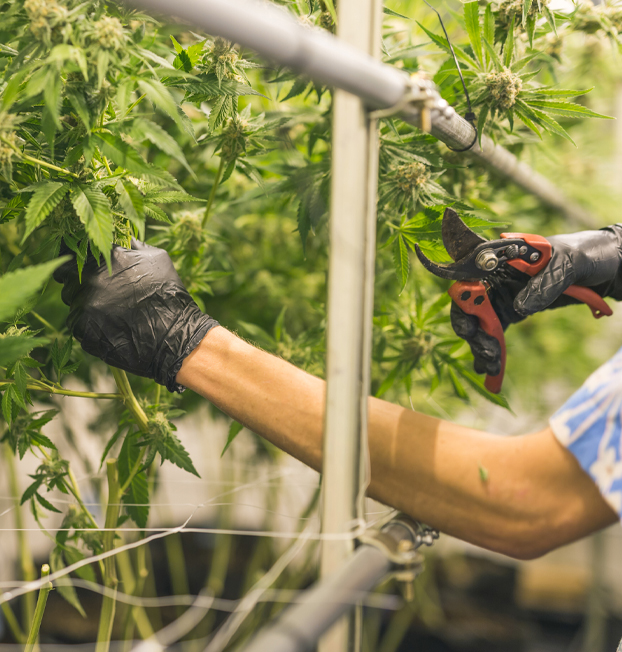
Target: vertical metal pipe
[[350, 291]]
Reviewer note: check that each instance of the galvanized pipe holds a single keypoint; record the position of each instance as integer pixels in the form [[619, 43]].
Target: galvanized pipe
[[275, 34], [299, 627]]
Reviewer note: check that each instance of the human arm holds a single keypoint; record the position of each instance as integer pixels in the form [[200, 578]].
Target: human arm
[[536, 497], [140, 318]]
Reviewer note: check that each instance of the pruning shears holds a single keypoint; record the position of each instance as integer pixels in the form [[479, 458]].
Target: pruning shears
[[476, 259]]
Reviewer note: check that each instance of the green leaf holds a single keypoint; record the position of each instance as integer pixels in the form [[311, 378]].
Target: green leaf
[[73, 555], [67, 591], [136, 498], [178, 47], [471, 20], [103, 61], [401, 261], [566, 109], [161, 98], [508, 50], [80, 107], [16, 287], [93, 209], [548, 14], [7, 408], [331, 8], [234, 430], [494, 57], [489, 26], [14, 347], [481, 122], [390, 12], [31, 490], [124, 93], [122, 153], [47, 504], [147, 130], [111, 442], [52, 96], [555, 92], [133, 204], [171, 449], [527, 121], [46, 196]]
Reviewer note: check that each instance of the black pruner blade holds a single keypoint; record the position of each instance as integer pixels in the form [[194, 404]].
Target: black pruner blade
[[458, 239], [462, 270], [462, 245]]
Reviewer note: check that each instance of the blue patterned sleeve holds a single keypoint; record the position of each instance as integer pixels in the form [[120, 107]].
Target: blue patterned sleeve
[[589, 425]]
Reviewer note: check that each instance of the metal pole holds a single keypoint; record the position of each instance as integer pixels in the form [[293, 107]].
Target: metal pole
[[350, 281], [302, 624], [275, 34]]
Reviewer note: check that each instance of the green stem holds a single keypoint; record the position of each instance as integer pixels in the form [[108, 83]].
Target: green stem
[[110, 570], [25, 557], [138, 101], [212, 194], [38, 617], [45, 322], [177, 567], [13, 623], [127, 396], [134, 614], [32, 159], [38, 386]]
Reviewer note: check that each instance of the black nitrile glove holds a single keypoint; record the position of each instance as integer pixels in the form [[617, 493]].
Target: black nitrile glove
[[589, 258], [139, 318]]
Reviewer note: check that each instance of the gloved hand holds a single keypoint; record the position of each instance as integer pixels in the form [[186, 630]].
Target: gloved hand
[[139, 318], [589, 258]]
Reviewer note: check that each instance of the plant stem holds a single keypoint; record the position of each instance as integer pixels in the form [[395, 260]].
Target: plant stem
[[45, 322], [25, 557], [13, 623], [37, 161], [39, 386], [110, 569], [127, 396], [212, 194], [38, 617]]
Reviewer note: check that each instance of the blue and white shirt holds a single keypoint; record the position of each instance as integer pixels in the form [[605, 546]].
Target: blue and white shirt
[[589, 425]]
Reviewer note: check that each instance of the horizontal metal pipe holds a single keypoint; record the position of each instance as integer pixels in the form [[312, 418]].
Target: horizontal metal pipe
[[275, 34], [301, 625]]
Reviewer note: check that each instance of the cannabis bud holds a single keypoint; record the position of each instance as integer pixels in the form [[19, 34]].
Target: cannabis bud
[[234, 138], [45, 17], [411, 176], [510, 8], [109, 33], [504, 88], [221, 58]]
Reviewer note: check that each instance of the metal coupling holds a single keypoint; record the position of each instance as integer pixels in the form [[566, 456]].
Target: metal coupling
[[399, 540]]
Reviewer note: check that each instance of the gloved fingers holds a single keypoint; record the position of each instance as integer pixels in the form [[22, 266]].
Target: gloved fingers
[[485, 348], [137, 245], [68, 268], [544, 288], [465, 326], [486, 353]]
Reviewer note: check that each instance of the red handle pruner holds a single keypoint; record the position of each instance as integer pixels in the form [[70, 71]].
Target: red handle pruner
[[472, 296]]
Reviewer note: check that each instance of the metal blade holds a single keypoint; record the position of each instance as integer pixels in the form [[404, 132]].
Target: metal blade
[[454, 271], [458, 239]]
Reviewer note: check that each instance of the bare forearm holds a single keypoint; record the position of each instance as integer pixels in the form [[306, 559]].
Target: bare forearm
[[421, 465]]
